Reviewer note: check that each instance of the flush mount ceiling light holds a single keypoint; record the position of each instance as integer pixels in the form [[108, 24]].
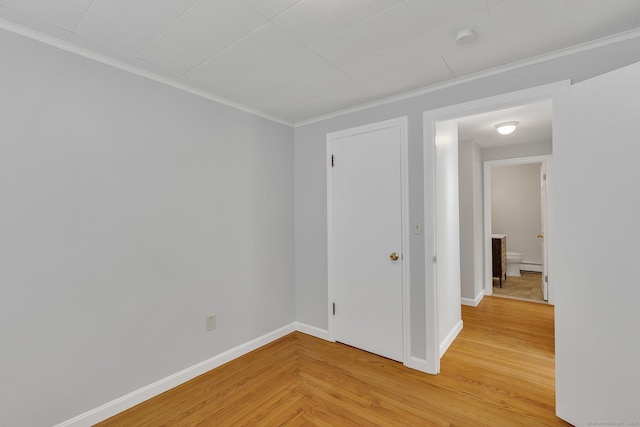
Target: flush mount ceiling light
[[466, 36], [506, 128]]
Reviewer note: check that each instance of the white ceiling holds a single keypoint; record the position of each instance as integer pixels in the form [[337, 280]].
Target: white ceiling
[[299, 59], [534, 119]]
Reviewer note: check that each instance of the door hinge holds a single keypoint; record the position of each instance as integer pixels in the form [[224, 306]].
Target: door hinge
[[334, 308], [332, 163], [544, 176], [435, 259], [546, 279]]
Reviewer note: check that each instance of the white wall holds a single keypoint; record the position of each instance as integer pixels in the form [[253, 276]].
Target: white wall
[[516, 209], [310, 175], [130, 211], [467, 224], [515, 151], [478, 222], [447, 234], [471, 223], [596, 249]]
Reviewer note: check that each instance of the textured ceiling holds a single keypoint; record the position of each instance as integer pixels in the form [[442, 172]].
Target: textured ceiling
[[300, 59]]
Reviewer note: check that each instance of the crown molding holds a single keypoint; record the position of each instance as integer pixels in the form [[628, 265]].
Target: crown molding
[[121, 65], [628, 35], [107, 60]]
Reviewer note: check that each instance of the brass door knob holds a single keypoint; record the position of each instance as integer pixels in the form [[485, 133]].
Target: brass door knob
[[540, 236], [394, 256]]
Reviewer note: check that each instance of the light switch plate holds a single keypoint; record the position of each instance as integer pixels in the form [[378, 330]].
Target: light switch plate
[[211, 322]]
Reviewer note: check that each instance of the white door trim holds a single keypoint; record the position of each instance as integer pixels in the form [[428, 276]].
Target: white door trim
[[402, 123], [546, 160], [430, 118]]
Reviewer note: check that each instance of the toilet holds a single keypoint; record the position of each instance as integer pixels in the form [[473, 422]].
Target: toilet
[[513, 263]]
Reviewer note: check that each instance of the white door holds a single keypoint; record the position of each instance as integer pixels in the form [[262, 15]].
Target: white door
[[543, 231], [365, 238], [596, 153]]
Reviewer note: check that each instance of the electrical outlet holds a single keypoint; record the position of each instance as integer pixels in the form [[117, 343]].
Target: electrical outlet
[[211, 322]]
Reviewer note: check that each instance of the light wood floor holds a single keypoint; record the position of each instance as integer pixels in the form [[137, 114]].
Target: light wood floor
[[498, 372]]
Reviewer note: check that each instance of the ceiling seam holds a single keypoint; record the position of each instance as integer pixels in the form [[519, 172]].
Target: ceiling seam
[[564, 24], [338, 67], [165, 30], [355, 24], [448, 67], [86, 12], [309, 47], [283, 12], [493, 28], [269, 21], [226, 47], [415, 17]]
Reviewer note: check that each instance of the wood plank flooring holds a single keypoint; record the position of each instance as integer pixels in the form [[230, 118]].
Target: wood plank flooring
[[498, 372]]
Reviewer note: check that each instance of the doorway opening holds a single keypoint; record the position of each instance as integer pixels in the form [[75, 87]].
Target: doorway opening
[[504, 213], [516, 214], [471, 291]]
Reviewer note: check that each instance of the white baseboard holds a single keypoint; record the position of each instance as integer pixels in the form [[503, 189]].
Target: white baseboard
[[444, 345], [413, 362], [524, 266], [312, 330], [419, 365], [472, 302], [127, 401]]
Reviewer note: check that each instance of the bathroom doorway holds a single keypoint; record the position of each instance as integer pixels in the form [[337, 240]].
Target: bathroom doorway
[[516, 214]]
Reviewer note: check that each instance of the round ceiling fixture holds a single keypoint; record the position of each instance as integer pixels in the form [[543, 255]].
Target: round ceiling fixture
[[506, 128], [466, 36]]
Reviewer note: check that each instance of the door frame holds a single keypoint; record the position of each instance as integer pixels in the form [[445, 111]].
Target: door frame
[[430, 118], [402, 123], [547, 220]]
